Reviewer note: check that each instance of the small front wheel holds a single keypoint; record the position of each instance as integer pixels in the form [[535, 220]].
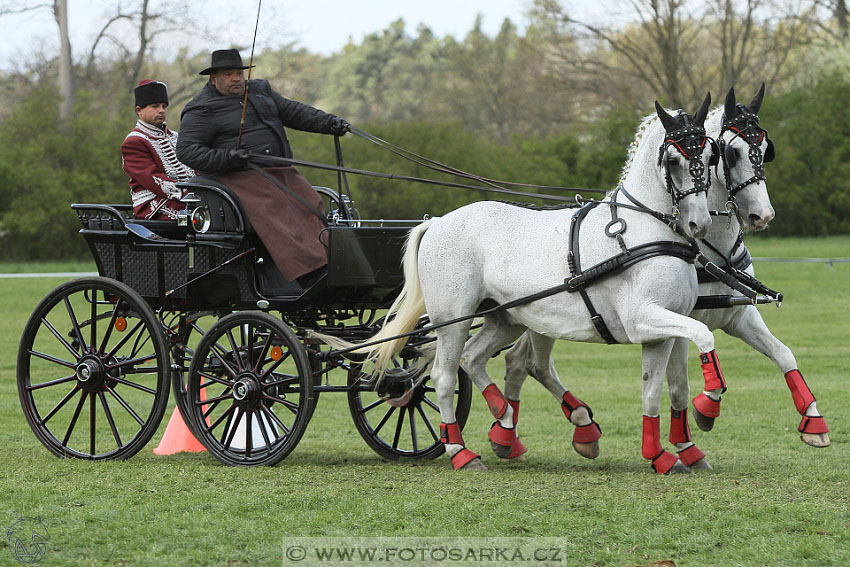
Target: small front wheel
[[250, 390]]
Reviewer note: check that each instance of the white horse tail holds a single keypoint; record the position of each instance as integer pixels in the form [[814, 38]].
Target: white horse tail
[[403, 314], [406, 310]]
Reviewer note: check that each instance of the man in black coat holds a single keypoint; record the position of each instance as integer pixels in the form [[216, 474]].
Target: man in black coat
[[209, 142]]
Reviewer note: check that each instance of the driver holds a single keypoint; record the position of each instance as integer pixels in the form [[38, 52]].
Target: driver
[[149, 159], [286, 220]]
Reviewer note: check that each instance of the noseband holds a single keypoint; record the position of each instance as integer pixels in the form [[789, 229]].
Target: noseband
[[744, 125], [690, 141]]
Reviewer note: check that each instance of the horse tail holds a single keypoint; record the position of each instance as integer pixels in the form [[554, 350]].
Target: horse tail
[[402, 316], [405, 312]]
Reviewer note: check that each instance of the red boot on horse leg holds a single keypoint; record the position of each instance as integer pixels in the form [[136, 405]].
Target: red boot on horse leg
[[813, 429], [662, 461], [707, 403], [503, 439], [462, 458], [587, 433], [680, 435]]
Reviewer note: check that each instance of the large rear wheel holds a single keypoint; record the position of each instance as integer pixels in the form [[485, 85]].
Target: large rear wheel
[[93, 370], [250, 390]]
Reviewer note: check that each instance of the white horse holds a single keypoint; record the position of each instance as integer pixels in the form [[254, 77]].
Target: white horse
[[739, 133], [739, 191], [495, 252]]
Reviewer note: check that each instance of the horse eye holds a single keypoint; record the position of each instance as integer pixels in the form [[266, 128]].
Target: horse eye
[[672, 161]]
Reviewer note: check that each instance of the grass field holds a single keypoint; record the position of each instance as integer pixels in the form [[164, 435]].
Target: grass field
[[770, 500]]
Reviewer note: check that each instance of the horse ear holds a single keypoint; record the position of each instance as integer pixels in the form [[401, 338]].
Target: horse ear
[[730, 105], [755, 104], [668, 121], [699, 117]]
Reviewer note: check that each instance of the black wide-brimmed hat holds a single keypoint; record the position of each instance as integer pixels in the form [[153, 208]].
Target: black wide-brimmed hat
[[150, 92], [225, 59]]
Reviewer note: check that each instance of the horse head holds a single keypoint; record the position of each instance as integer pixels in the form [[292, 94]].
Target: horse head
[[745, 148], [685, 164]]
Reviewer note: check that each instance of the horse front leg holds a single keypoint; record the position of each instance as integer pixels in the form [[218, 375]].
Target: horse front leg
[[654, 364], [751, 328], [679, 392]]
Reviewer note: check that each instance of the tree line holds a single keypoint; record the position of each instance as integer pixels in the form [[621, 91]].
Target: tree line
[[554, 104]]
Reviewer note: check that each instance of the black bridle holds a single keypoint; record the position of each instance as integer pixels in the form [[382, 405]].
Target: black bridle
[[690, 140], [744, 125]]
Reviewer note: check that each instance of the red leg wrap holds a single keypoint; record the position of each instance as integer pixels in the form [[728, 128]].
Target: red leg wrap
[[587, 433], [711, 371], [691, 455], [664, 462], [800, 392], [651, 445], [462, 458], [514, 406], [495, 400], [450, 433], [813, 425], [680, 432], [517, 449], [501, 435], [706, 406], [569, 403]]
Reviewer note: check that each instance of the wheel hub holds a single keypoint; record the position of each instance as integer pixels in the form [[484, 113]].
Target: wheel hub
[[246, 391], [90, 373]]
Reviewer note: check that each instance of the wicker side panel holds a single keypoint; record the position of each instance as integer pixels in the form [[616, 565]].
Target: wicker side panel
[[140, 270], [105, 252], [242, 270]]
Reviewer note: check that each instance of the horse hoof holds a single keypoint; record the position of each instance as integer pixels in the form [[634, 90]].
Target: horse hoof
[[703, 422], [700, 465], [474, 465], [815, 439], [502, 451], [679, 468], [587, 450], [518, 458]]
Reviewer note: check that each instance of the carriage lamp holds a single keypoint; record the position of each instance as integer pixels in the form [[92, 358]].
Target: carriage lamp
[[198, 217]]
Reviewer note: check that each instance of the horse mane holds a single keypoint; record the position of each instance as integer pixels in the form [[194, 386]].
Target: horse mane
[[644, 126]]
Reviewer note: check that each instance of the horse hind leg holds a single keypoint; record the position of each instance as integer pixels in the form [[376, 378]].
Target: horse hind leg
[[541, 367], [492, 336], [450, 342]]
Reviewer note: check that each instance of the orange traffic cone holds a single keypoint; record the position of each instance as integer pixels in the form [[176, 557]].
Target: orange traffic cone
[[178, 438]]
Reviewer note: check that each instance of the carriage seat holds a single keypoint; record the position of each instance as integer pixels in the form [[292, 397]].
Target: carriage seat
[[226, 213]]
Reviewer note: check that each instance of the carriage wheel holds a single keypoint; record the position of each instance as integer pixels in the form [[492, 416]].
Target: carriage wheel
[[250, 390], [402, 422], [93, 370]]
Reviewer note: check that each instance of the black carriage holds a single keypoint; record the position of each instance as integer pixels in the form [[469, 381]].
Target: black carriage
[[189, 305]]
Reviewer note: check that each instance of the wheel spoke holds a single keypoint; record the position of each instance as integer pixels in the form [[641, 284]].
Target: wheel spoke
[[427, 422], [108, 334], [110, 419], [237, 358], [60, 338], [412, 419], [399, 424], [124, 404], [227, 414], [134, 385], [262, 425], [52, 382], [124, 340], [220, 354], [93, 318], [225, 395], [92, 422], [430, 403], [74, 419], [61, 403], [291, 406], [75, 325], [49, 358], [249, 435], [273, 416], [132, 361], [384, 420], [234, 425]]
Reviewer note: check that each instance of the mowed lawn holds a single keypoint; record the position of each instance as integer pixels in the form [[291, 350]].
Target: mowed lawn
[[770, 500]]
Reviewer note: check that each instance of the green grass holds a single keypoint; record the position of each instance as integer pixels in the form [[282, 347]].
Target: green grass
[[770, 500]]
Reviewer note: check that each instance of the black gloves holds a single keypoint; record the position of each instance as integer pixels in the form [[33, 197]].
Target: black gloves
[[238, 158], [339, 126]]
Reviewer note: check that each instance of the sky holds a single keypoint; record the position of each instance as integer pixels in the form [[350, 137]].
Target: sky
[[321, 26]]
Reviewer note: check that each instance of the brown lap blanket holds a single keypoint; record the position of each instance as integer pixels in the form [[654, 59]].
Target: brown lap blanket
[[287, 228]]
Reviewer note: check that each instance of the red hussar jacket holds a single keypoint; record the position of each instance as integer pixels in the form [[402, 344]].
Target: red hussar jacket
[[151, 163]]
